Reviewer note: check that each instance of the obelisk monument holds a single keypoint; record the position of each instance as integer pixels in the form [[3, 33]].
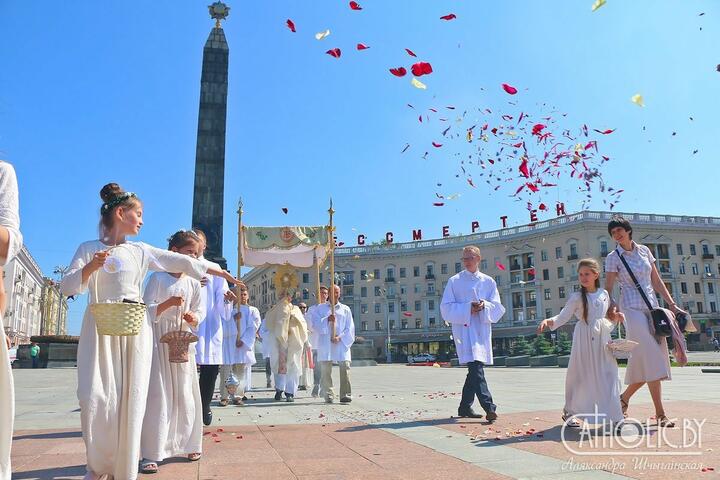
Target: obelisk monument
[[210, 151]]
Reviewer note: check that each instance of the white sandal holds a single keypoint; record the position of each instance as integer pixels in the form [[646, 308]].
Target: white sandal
[[148, 466]]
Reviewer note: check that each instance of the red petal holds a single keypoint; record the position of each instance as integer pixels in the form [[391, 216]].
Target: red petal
[[421, 68], [436, 145], [410, 52], [543, 207], [355, 6], [604, 132], [509, 89], [362, 46], [532, 187], [284, 210], [407, 314], [334, 52], [500, 266], [524, 168], [290, 25], [449, 16], [398, 72], [537, 128]]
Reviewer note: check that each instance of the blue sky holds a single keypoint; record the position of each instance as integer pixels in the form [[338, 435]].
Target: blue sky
[[91, 93]]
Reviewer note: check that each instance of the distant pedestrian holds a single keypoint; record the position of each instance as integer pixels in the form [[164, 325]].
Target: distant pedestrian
[[35, 355], [716, 344]]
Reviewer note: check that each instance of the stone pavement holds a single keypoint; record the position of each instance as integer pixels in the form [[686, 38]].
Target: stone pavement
[[399, 426]]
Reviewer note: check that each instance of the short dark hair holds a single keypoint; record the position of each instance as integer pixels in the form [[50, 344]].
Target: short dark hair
[[619, 221]]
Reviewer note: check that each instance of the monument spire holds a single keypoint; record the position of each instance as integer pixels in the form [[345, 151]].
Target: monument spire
[[209, 186]]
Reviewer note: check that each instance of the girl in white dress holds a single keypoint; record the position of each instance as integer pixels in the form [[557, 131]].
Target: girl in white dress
[[113, 371], [10, 245], [592, 381], [173, 417]]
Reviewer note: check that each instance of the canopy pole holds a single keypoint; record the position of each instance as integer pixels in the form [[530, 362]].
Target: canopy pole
[[239, 252], [331, 241]]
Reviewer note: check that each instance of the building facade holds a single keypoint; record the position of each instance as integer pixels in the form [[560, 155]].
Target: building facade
[[24, 282], [54, 309], [395, 290]]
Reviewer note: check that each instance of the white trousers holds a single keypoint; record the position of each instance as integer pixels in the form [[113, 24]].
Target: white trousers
[[286, 383]]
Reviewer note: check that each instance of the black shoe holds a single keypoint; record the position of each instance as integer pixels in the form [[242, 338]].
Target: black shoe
[[345, 400], [207, 418], [278, 395], [302, 387], [244, 398], [289, 397], [468, 413], [491, 416], [269, 384], [315, 391]]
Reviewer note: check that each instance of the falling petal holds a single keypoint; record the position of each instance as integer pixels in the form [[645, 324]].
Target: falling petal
[[418, 84], [362, 46], [334, 52], [355, 6], [410, 52], [449, 16], [598, 4], [637, 99], [321, 35], [509, 89], [398, 72]]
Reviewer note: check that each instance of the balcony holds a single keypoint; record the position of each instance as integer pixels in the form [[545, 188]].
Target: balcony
[[572, 257], [514, 266], [430, 276], [531, 303], [666, 274], [707, 256], [389, 279]]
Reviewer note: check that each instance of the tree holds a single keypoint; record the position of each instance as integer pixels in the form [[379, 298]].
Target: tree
[[520, 347], [564, 344], [542, 346]]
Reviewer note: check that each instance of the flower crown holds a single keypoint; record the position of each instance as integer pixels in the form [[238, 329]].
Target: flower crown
[[115, 201]]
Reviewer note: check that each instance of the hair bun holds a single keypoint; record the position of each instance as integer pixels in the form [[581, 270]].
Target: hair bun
[[110, 191]]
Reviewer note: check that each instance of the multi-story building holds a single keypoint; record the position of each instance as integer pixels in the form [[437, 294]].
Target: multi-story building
[[395, 290], [54, 309], [24, 282]]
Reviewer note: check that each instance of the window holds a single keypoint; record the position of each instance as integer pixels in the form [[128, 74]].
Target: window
[[603, 248], [548, 312], [706, 249], [700, 307], [416, 271], [573, 250], [363, 291], [547, 294], [458, 267], [697, 288], [543, 255], [561, 292], [418, 324], [376, 274], [363, 275], [378, 326], [713, 307], [306, 294], [682, 268], [431, 288], [695, 269], [321, 277], [576, 288], [403, 289], [711, 288], [558, 252], [417, 288], [403, 272], [364, 308], [546, 274], [483, 264], [717, 250], [431, 305], [561, 272], [692, 249], [708, 268], [418, 305], [377, 308], [403, 324], [363, 325], [431, 322], [443, 269], [377, 291], [683, 287], [390, 273], [392, 324], [306, 278], [391, 307], [403, 306], [429, 270], [679, 248]]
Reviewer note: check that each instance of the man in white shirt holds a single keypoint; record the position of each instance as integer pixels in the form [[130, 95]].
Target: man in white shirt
[[334, 348], [314, 339], [471, 304]]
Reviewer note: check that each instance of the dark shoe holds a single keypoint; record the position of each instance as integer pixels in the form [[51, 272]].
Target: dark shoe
[[468, 413], [278, 395], [491, 416], [345, 400], [244, 398], [289, 397], [302, 387], [315, 391], [224, 402], [207, 418], [269, 384]]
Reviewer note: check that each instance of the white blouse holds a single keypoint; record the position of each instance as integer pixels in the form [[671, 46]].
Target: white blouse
[[9, 210]]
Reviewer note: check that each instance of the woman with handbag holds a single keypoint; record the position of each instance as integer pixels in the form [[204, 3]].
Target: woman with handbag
[[115, 348], [592, 385], [633, 266]]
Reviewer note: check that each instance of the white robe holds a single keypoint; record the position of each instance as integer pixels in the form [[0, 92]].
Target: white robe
[[10, 219], [209, 349], [173, 417], [250, 316], [287, 333], [312, 331], [344, 328], [113, 372], [592, 375], [472, 332]]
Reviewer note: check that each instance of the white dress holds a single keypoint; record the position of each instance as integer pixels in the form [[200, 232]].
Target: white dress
[[472, 333], [10, 219], [592, 375], [173, 417], [113, 372], [209, 348]]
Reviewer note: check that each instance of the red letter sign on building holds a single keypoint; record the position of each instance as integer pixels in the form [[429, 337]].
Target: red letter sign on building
[[474, 225], [504, 220], [446, 231], [361, 239], [389, 237], [417, 234]]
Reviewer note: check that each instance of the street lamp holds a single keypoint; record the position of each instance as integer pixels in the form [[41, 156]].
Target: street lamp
[[388, 353]]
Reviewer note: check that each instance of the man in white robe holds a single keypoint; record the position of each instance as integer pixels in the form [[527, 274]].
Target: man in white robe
[[471, 304], [287, 337], [307, 372], [334, 348], [314, 339]]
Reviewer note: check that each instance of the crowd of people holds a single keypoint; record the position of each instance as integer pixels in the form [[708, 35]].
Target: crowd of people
[[134, 415]]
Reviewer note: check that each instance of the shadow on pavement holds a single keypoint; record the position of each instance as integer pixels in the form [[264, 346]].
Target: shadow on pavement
[[62, 473]]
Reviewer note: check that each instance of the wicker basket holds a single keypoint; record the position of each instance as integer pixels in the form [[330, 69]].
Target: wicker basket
[[118, 319], [178, 342], [621, 348]]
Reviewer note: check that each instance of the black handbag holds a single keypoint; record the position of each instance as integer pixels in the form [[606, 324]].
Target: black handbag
[[660, 319]]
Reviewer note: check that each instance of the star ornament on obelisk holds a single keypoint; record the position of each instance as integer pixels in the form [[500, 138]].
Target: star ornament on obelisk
[[218, 11]]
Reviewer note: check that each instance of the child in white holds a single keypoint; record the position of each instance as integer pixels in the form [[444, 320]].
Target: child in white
[[592, 380], [173, 416], [239, 347]]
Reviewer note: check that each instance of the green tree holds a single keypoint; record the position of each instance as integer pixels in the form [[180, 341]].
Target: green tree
[[542, 346], [564, 344], [520, 347]]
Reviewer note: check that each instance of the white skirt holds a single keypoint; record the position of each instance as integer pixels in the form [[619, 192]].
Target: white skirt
[[7, 406], [650, 360]]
